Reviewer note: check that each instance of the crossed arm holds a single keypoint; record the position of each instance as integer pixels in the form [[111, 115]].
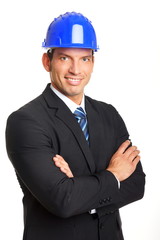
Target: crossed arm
[[122, 164], [29, 146]]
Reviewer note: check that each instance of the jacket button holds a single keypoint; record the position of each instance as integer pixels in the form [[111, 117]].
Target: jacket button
[[111, 212], [109, 199]]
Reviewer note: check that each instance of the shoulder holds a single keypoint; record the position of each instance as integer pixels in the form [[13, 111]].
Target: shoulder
[[29, 109], [27, 123], [107, 112], [110, 116], [102, 107], [34, 108], [32, 115]]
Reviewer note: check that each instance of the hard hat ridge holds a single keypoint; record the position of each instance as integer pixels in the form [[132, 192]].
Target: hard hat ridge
[[71, 30]]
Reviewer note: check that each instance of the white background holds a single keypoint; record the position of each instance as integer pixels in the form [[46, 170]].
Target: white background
[[126, 74]]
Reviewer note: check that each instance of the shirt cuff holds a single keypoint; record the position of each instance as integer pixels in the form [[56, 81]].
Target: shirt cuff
[[93, 211], [119, 184]]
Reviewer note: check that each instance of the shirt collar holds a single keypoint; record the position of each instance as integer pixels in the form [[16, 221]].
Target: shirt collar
[[70, 104]]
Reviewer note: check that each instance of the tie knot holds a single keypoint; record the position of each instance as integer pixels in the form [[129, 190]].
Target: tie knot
[[79, 112]]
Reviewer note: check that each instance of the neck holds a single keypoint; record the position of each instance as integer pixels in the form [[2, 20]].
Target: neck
[[76, 99]]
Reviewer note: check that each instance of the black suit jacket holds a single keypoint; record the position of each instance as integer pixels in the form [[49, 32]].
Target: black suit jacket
[[55, 206]]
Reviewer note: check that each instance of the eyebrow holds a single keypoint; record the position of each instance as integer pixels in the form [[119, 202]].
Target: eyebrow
[[88, 56], [64, 54]]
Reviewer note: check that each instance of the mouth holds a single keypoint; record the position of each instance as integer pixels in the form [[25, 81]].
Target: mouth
[[73, 81]]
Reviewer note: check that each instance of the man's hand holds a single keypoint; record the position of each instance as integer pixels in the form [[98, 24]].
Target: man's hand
[[63, 165], [123, 163]]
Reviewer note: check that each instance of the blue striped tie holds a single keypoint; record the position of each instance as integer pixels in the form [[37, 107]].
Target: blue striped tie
[[82, 120]]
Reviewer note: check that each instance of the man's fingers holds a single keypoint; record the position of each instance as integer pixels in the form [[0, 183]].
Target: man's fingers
[[133, 155], [123, 147], [123, 163], [62, 165], [67, 172], [57, 163], [60, 159], [136, 161], [130, 152]]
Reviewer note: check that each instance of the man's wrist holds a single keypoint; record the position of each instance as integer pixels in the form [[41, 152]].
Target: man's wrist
[[119, 184]]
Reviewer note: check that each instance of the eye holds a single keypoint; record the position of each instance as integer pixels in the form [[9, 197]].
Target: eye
[[85, 59], [64, 58]]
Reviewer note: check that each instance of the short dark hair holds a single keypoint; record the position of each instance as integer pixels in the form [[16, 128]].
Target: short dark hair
[[51, 51]]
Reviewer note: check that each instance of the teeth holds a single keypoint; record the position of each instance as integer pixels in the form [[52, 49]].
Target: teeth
[[73, 80]]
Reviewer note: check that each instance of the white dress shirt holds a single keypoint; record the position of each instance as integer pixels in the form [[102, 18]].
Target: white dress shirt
[[70, 104]]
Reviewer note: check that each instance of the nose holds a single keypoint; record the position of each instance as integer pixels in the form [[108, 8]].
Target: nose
[[75, 68]]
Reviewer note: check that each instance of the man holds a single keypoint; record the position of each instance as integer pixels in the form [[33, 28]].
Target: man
[[71, 154]]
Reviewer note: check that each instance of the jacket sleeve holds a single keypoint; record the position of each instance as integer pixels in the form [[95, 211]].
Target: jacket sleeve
[[30, 150], [131, 189]]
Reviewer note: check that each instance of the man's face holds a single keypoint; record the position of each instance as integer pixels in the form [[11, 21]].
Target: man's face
[[70, 71]]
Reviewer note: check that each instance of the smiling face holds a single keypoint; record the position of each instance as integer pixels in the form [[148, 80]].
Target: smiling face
[[70, 70]]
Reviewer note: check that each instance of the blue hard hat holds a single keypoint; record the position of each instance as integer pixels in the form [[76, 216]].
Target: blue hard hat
[[71, 30]]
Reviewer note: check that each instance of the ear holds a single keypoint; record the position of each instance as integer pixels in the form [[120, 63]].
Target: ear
[[46, 62]]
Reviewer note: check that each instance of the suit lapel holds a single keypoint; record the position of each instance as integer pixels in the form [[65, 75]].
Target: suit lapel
[[66, 116], [96, 130]]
